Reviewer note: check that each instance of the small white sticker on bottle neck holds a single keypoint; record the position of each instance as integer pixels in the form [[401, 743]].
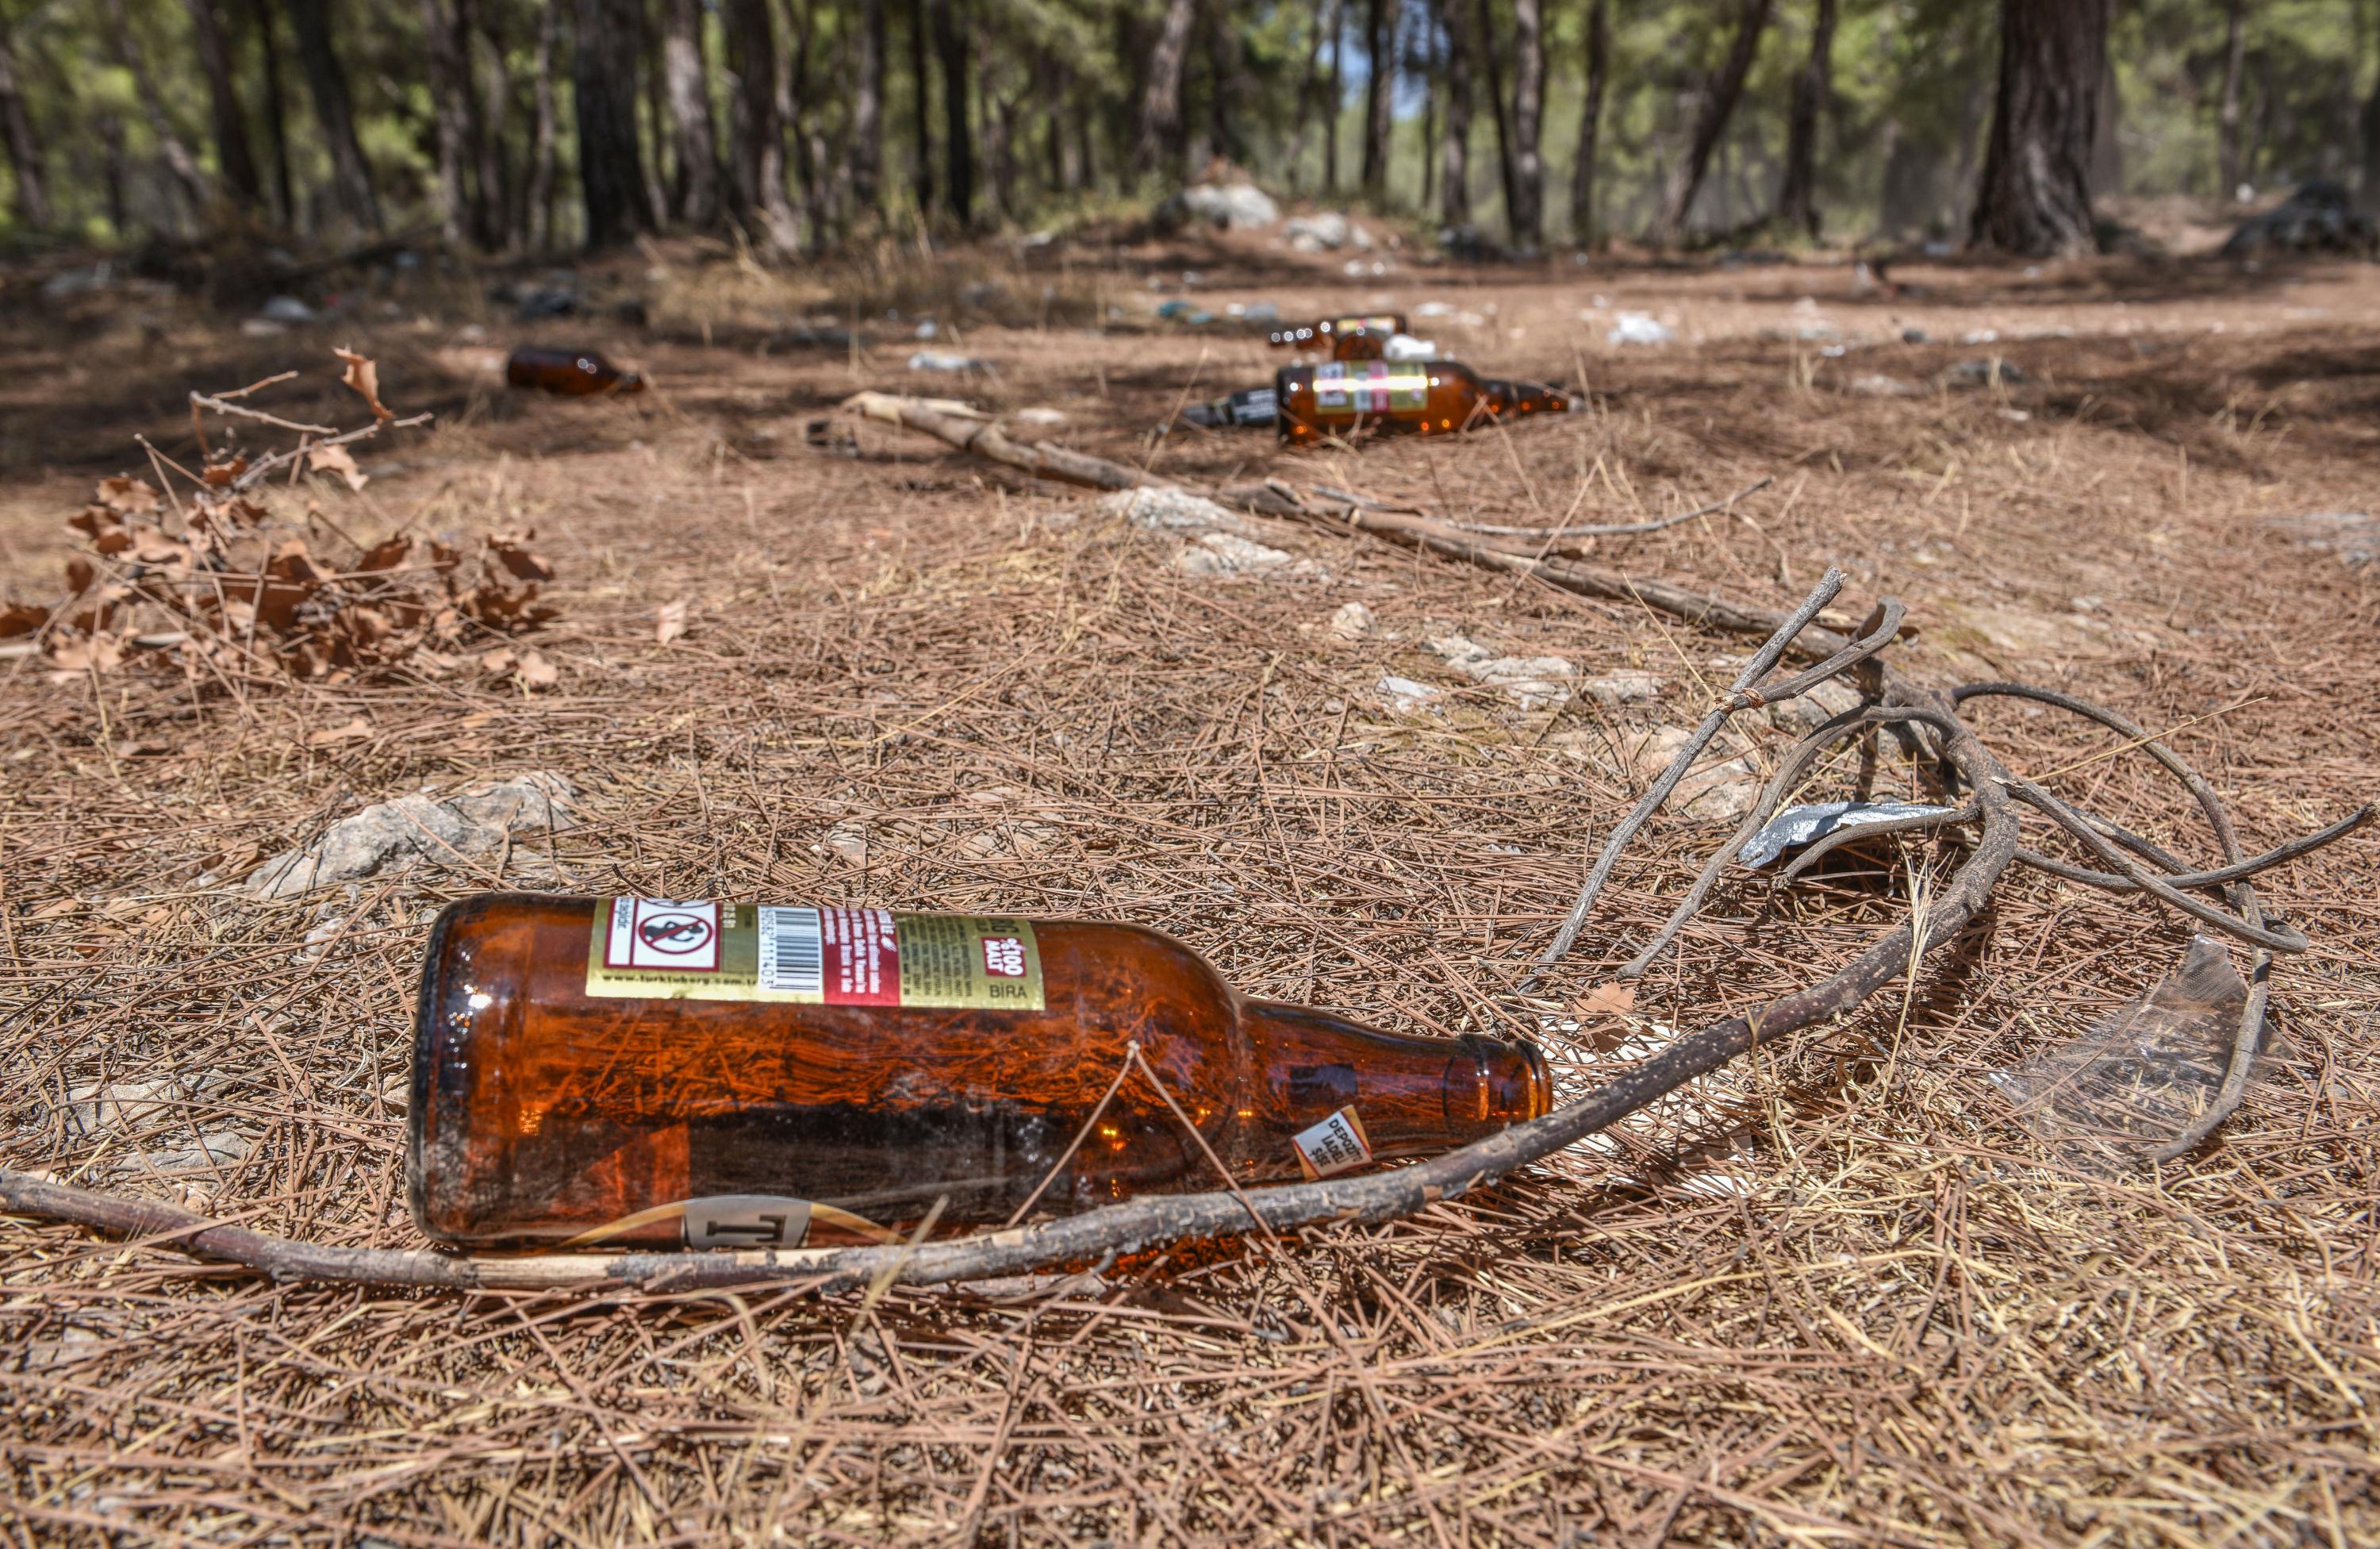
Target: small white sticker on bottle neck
[[1332, 1146]]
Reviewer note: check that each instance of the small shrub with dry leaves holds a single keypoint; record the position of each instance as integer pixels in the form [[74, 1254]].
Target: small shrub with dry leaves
[[217, 575]]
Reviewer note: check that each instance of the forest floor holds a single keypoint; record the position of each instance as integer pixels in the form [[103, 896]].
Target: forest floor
[[1839, 1294]]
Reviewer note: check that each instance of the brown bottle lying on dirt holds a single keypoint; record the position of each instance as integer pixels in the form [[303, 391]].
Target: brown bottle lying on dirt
[[1321, 335], [1410, 397], [572, 373], [645, 1072]]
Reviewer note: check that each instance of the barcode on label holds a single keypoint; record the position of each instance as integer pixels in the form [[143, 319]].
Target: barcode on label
[[793, 952]]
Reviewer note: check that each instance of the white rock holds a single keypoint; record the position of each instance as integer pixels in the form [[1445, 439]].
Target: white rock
[[1713, 788], [943, 361], [1315, 233], [1228, 554], [1879, 386], [1533, 682], [288, 309], [1639, 328], [1352, 622], [2354, 536], [418, 829], [1821, 705], [1228, 206], [1404, 695], [1616, 688], [1161, 507]]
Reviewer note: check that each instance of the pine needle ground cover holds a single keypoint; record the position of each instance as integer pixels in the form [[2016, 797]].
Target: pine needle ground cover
[[1838, 1292]]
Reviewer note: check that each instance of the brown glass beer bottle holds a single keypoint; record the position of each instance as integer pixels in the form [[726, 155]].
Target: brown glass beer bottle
[[572, 373], [1321, 335], [1412, 397], [652, 1072]]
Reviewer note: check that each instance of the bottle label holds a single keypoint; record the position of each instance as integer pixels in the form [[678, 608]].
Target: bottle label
[[1385, 323], [1344, 389], [1332, 1146], [678, 949]]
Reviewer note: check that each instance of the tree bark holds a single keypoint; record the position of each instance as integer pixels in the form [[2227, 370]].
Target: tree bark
[[487, 102], [866, 156], [26, 165], [759, 127], [951, 46], [607, 38], [1338, 27], [541, 148], [1491, 50], [449, 89], [1161, 101], [1380, 96], [693, 130], [277, 107], [1309, 90], [1718, 99], [1795, 206], [2036, 196], [334, 112], [1528, 118], [2226, 136], [240, 180], [1590, 122], [1454, 138], [1426, 64], [921, 96]]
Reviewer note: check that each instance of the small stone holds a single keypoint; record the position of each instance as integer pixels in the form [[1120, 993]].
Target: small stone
[[1352, 622], [1228, 554], [1880, 386], [1163, 507], [1618, 688], [1405, 696]]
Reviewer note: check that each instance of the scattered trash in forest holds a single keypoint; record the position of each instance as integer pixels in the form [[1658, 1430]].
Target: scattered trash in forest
[[569, 373], [1796, 826], [942, 361], [1639, 328], [2320, 217]]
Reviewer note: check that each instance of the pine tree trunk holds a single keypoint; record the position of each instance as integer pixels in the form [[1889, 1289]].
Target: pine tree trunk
[[232, 153], [2227, 140], [1338, 9], [500, 222], [1454, 140], [867, 158], [921, 95], [1795, 206], [26, 165], [1491, 50], [1528, 119], [665, 189], [449, 90], [1719, 99], [951, 46], [692, 128], [334, 112], [541, 147], [1160, 102], [1379, 97], [1590, 122], [758, 129], [1433, 86], [2036, 196], [607, 37], [277, 107], [1309, 90]]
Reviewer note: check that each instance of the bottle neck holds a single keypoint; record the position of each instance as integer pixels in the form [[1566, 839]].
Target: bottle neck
[[1510, 400], [1412, 1095]]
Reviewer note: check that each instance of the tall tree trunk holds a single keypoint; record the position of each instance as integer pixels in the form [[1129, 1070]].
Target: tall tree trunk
[[334, 112], [187, 175], [694, 132], [500, 216], [1380, 96], [449, 90], [664, 188], [240, 181], [1528, 121], [867, 159], [1309, 92], [1590, 122], [1718, 99], [921, 111], [2035, 197], [958, 123], [541, 146], [1455, 143], [1160, 99], [607, 36], [1491, 50], [267, 27], [1338, 12], [1794, 197], [26, 165], [2227, 135], [760, 130], [1432, 85]]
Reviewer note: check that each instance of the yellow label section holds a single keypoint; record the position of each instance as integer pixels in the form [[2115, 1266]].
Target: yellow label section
[[698, 949]]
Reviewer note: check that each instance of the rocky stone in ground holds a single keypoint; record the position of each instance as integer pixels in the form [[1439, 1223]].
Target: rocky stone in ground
[[2354, 536], [1533, 682], [1228, 554], [419, 829]]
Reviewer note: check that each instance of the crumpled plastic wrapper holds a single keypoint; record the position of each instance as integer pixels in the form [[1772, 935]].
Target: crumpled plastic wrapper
[[2142, 1074]]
